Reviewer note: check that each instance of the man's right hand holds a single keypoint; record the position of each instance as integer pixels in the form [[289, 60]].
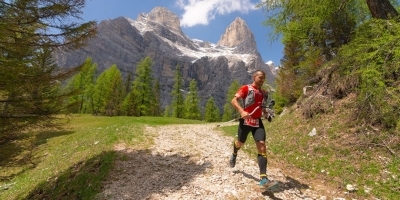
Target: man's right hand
[[245, 115]]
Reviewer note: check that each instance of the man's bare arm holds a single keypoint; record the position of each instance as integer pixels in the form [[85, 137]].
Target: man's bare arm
[[236, 105]]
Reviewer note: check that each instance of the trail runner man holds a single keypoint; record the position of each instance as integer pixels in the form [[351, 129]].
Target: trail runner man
[[253, 97]]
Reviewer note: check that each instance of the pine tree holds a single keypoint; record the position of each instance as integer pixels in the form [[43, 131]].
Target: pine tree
[[128, 84], [177, 96], [212, 113], [192, 109], [347, 46], [373, 71], [108, 92], [114, 102], [288, 81], [82, 85], [229, 111], [312, 34], [156, 108], [167, 111], [39, 101], [141, 101], [30, 31]]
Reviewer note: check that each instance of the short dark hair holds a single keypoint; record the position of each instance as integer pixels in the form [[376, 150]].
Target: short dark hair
[[255, 72]]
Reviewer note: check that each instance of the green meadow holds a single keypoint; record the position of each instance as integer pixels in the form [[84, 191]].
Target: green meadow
[[71, 163]]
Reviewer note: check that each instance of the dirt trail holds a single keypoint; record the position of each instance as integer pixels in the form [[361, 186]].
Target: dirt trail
[[191, 162]]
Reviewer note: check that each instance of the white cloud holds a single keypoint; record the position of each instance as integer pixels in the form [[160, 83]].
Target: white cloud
[[202, 11]]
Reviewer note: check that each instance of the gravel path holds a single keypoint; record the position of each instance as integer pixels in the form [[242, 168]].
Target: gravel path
[[191, 162]]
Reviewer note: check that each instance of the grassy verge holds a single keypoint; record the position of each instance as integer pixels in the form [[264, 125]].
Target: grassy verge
[[72, 163], [339, 154]]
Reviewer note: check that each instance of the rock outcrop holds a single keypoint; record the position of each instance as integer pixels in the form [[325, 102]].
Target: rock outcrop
[[239, 36], [164, 17]]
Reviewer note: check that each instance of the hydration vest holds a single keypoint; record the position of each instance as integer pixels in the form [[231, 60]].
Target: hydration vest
[[250, 100], [251, 97]]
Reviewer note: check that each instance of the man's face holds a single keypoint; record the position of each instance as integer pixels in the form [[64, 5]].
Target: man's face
[[259, 79]]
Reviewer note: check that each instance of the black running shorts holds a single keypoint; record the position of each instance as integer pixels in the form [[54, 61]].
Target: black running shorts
[[258, 132]]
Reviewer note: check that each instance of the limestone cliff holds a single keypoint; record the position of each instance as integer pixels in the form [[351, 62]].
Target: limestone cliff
[[124, 42], [239, 35]]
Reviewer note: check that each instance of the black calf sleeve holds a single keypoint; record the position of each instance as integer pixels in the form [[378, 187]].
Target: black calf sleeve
[[262, 163]]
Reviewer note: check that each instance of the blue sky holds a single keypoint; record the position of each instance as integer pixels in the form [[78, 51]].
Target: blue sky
[[200, 19]]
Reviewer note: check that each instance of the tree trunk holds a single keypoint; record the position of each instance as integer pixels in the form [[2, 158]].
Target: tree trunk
[[382, 9]]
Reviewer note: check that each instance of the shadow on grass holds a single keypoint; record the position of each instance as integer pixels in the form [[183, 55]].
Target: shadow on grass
[[11, 150], [81, 181], [127, 175], [12, 154], [42, 137], [17, 153]]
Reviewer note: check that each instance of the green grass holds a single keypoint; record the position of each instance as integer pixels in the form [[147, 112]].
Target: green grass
[[71, 163], [333, 154]]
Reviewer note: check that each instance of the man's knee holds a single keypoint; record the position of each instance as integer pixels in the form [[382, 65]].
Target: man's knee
[[239, 144], [260, 143], [261, 146]]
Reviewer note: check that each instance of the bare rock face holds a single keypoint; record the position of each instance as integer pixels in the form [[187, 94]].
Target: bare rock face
[[240, 36], [165, 17], [124, 42]]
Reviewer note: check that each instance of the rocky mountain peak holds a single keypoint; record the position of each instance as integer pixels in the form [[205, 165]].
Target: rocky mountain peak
[[165, 17], [240, 36], [124, 42]]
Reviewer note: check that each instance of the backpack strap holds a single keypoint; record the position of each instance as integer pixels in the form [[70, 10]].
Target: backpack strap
[[250, 97]]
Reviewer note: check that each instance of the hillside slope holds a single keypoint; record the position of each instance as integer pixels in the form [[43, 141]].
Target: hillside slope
[[319, 139]]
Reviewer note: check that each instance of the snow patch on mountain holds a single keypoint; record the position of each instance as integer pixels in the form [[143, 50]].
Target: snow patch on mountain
[[210, 49], [274, 69]]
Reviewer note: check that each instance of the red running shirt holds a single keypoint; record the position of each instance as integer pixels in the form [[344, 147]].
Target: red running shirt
[[252, 99]]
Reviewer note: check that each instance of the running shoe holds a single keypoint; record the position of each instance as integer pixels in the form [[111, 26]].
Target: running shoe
[[266, 184]]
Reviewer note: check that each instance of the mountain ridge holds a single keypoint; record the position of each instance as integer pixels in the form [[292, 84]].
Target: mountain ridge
[[124, 42]]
